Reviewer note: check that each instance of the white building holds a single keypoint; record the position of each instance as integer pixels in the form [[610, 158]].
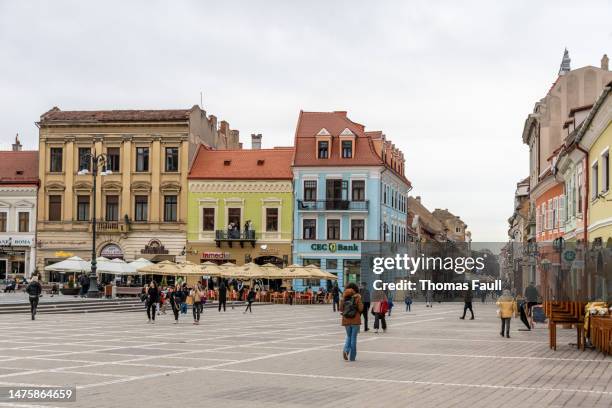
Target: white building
[[18, 191]]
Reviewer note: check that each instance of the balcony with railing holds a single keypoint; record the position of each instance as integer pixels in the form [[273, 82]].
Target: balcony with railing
[[110, 227], [333, 205], [231, 236]]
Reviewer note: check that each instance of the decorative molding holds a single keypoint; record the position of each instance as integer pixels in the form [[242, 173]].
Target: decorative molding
[[82, 185], [225, 186], [24, 204], [112, 186], [55, 186], [170, 186], [18, 189], [142, 186], [323, 132]]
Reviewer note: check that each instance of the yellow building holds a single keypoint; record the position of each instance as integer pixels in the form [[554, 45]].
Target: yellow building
[[596, 137], [141, 206]]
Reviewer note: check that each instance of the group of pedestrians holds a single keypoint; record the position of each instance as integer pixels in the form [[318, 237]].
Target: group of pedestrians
[[156, 300]]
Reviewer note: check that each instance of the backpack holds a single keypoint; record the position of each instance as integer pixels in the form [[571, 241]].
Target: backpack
[[350, 308]]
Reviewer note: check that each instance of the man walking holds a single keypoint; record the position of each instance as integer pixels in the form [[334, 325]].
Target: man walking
[[365, 298], [467, 299], [222, 294], [531, 295], [336, 296], [34, 290]]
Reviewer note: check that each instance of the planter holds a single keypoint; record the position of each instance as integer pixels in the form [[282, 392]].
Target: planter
[[70, 291]]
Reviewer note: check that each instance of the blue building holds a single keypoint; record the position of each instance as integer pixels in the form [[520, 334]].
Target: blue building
[[349, 189]]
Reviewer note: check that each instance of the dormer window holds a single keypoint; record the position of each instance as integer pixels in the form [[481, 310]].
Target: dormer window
[[323, 149], [347, 149], [227, 162], [260, 162]]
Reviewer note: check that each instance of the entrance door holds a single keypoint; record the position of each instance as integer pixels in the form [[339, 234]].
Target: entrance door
[[3, 269]]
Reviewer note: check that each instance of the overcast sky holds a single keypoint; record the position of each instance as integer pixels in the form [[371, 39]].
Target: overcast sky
[[450, 84]]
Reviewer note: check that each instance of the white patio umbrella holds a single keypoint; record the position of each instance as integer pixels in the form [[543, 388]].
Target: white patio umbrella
[[74, 264], [116, 267], [139, 263]]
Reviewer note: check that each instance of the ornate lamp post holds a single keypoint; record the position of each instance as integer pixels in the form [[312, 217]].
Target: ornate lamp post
[[96, 162]]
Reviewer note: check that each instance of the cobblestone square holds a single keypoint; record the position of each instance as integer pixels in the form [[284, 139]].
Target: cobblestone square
[[282, 356]]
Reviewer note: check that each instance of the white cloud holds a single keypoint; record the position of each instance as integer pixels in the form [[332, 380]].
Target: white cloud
[[450, 83]]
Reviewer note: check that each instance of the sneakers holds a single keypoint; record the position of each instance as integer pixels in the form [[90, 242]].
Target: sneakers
[[345, 355], [507, 336], [376, 331]]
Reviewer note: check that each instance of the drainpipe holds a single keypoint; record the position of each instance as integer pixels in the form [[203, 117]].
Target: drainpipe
[[586, 196]]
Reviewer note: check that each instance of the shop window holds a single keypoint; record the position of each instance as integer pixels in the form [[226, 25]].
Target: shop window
[[55, 208], [331, 264]]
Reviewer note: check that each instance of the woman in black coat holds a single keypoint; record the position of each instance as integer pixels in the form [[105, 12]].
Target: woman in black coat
[[152, 299]]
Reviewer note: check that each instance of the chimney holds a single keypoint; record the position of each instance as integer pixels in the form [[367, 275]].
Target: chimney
[[17, 144], [418, 198], [256, 141], [604, 62]]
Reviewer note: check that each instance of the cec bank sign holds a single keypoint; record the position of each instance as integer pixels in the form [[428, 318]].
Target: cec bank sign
[[334, 247]]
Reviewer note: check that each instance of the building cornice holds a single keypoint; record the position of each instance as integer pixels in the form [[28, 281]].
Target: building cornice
[[242, 186]]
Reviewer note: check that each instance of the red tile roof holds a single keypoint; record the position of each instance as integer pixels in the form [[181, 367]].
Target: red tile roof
[[310, 124], [13, 162], [57, 115], [262, 164]]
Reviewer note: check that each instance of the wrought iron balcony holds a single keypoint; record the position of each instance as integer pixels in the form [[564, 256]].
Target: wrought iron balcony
[[333, 205], [110, 226], [231, 236]]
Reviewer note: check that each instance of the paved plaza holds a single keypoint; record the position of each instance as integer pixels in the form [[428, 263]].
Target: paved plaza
[[282, 356]]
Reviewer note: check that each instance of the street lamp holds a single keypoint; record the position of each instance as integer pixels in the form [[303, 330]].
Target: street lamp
[[96, 162]]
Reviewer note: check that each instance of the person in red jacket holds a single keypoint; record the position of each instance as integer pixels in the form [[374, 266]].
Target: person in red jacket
[[379, 310]]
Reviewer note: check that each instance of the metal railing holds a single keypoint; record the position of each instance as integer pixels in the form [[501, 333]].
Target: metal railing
[[235, 235], [333, 205]]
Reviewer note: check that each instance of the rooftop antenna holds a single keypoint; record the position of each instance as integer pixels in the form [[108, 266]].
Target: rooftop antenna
[[201, 104]]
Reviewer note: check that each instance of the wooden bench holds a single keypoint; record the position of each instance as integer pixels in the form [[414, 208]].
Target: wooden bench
[[128, 291], [565, 312]]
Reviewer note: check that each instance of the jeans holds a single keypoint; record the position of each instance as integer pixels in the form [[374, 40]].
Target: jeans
[[366, 309], [33, 305], [336, 304], [151, 310], [408, 306], [505, 324], [175, 309], [467, 306], [380, 318], [197, 310], [350, 344]]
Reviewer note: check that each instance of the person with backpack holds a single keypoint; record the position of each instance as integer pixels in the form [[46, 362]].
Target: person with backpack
[[408, 302], [351, 309], [250, 300], [34, 289]]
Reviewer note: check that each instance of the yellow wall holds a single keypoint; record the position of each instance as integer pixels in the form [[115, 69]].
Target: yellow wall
[[600, 210]]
